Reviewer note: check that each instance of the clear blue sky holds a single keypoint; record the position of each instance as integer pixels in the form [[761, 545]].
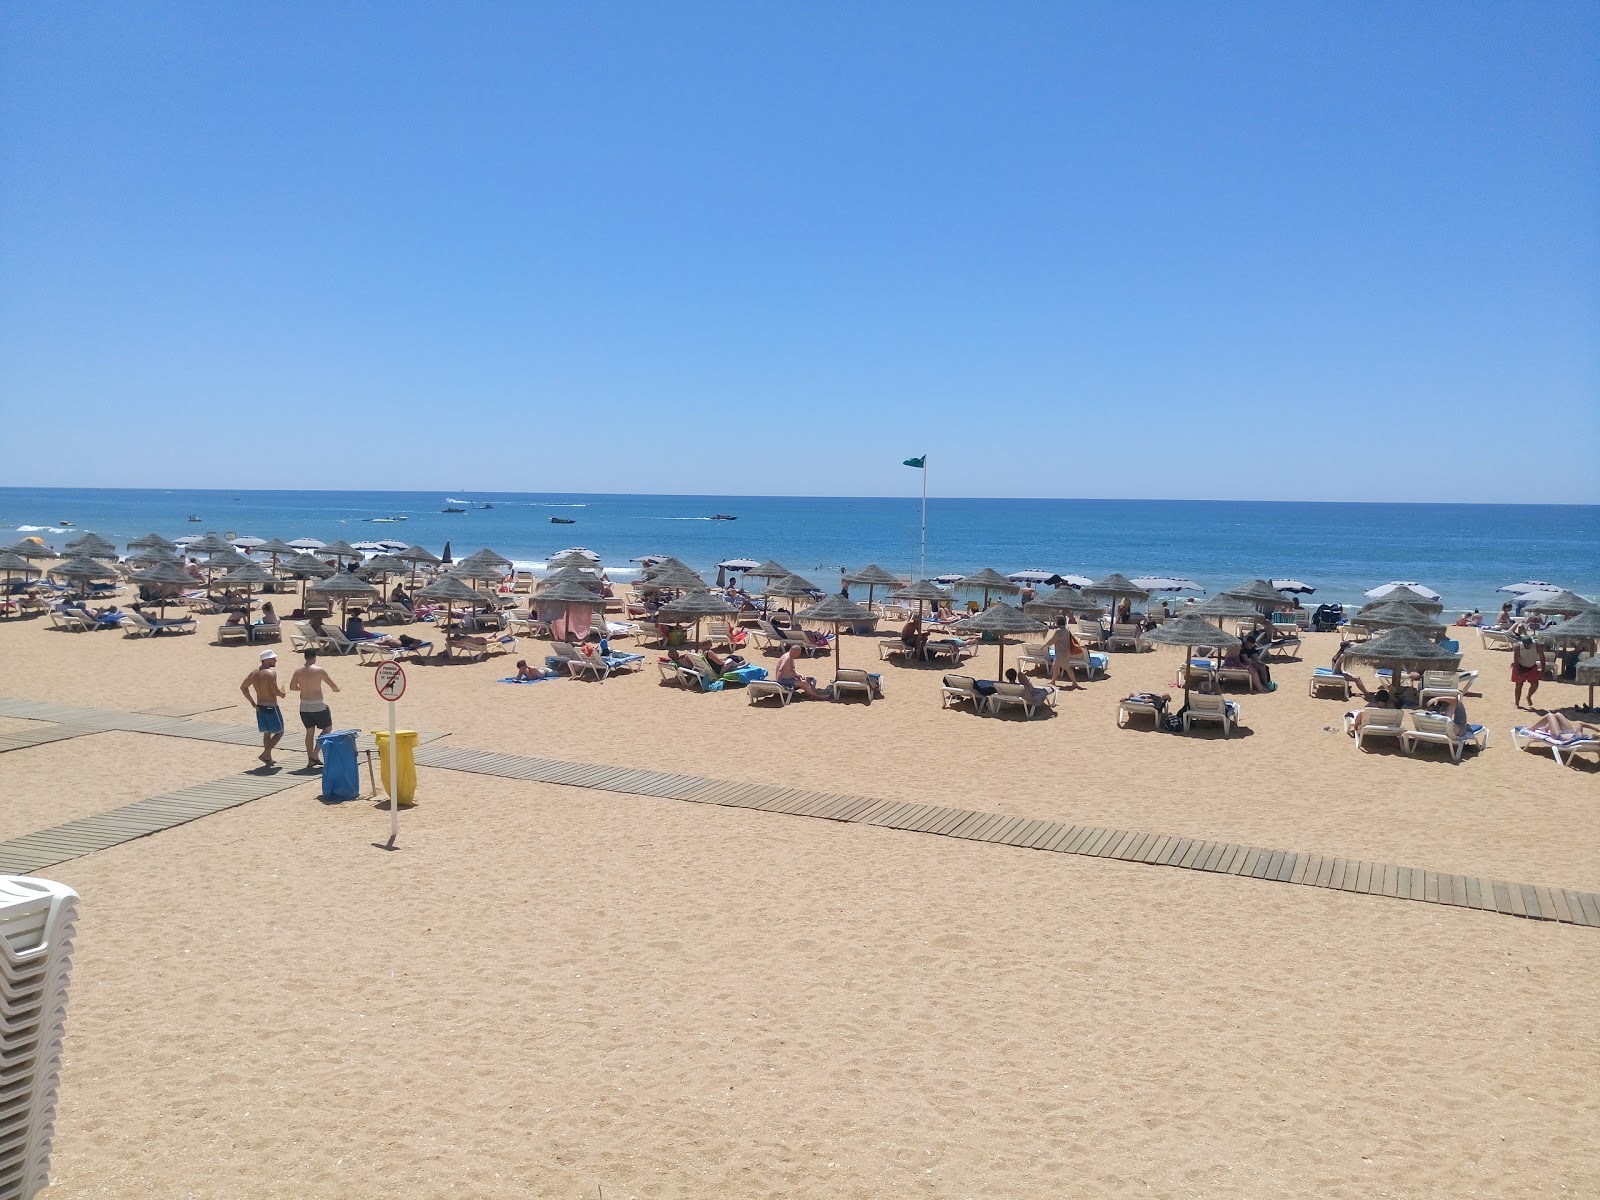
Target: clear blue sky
[[1165, 249]]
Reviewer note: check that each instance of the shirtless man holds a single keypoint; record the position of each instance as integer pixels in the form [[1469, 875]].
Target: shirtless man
[[260, 687], [1065, 646], [789, 677], [315, 714]]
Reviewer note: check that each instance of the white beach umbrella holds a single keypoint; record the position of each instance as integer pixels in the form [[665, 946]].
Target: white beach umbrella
[[1383, 589], [306, 544]]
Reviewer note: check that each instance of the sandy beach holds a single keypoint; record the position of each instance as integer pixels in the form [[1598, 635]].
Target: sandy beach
[[553, 991]]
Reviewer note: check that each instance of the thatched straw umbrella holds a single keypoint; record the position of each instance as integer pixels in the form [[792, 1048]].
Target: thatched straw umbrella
[[872, 576], [1402, 649], [1000, 619], [1062, 600], [339, 551], [164, 575], [450, 591], [150, 540], [771, 569], [1258, 592], [567, 594], [491, 557], [571, 558], [417, 556], [382, 566], [1116, 587], [345, 587], [15, 564], [1192, 633], [476, 572], [211, 543], [1579, 632], [790, 587], [149, 556], [837, 610], [1410, 595], [79, 571], [91, 545], [988, 580], [1562, 604], [670, 576], [302, 567], [1225, 606], [275, 549], [223, 561], [695, 606], [28, 549], [1396, 614], [576, 575], [922, 591], [249, 576]]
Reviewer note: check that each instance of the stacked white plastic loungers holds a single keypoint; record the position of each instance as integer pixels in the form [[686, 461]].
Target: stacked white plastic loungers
[[36, 919]]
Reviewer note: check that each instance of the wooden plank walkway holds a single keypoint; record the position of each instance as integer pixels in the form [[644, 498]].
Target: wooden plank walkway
[[1531, 901], [47, 847]]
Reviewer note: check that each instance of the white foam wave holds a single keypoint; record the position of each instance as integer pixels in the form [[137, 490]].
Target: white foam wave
[[41, 529]]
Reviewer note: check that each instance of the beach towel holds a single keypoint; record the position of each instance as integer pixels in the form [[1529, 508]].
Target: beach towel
[[740, 676], [514, 679]]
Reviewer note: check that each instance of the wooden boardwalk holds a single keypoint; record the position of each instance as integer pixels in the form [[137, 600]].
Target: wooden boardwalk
[[1297, 868]]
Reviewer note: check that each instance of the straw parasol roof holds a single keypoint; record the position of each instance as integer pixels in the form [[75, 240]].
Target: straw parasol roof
[[1116, 586], [1403, 649], [152, 539], [791, 587], [1000, 619], [91, 545], [478, 570], [1410, 595], [568, 591], [416, 554], [83, 567], [836, 610], [1563, 604], [570, 558], [27, 549], [489, 556], [1396, 614], [771, 569], [1257, 591], [249, 575], [1226, 606], [211, 543], [165, 573], [871, 575], [1062, 600], [306, 566], [149, 555], [577, 575], [1581, 627], [1189, 631], [922, 589], [340, 550], [447, 589], [695, 606], [673, 575], [15, 564], [382, 564], [989, 580], [344, 585], [225, 560]]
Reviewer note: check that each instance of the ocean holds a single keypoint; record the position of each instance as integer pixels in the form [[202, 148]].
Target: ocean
[[1463, 551]]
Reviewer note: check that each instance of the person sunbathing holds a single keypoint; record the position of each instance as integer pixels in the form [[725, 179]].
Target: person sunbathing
[[1029, 689], [1377, 701], [1563, 729], [723, 663], [912, 636], [790, 679], [525, 672]]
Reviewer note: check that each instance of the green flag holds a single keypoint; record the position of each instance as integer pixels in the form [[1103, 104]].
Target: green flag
[[917, 462]]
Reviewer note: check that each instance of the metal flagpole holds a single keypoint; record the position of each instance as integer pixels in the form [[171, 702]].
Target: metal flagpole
[[924, 515]]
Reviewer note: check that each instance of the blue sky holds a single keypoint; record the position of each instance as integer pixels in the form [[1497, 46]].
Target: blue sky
[[1201, 250]]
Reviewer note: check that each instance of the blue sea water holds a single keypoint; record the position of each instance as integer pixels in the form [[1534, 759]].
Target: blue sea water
[[1463, 551]]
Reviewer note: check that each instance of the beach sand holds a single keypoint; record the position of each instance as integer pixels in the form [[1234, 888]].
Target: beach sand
[[548, 991]]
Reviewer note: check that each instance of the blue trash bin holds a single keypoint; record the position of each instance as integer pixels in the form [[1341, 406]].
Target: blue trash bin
[[341, 776]]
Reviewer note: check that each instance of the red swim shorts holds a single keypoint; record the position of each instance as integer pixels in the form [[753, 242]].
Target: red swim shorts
[[1521, 674]]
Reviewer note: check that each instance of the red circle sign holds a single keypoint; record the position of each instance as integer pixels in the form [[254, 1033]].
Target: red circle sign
[[390, 680]]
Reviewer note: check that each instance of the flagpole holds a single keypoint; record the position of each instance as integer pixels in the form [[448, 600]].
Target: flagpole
[[924, 515]]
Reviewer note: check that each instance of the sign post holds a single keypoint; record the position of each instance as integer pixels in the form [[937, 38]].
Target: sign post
[[390, 680]]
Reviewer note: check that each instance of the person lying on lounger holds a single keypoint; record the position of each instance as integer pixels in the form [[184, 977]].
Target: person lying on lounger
[[1563, 728], [1377, 700]]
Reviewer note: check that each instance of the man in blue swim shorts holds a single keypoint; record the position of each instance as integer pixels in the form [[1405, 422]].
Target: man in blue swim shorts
[[261, 688]]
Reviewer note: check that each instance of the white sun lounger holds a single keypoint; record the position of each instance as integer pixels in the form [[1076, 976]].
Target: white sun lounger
[[1377, 723], [1203, 707], [1537, 739], [1437, 729]]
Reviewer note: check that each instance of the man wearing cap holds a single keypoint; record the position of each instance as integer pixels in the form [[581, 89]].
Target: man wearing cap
[[260, 687]]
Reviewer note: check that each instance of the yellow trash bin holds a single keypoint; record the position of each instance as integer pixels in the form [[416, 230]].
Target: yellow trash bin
[[406, 751]]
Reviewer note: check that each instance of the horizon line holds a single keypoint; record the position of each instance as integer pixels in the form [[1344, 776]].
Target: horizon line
[[494, 492]]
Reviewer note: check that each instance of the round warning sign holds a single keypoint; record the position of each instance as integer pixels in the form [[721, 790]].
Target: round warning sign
[[390, 680]]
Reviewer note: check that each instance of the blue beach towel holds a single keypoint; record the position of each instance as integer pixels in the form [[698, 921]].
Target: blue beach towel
[[514, 679]]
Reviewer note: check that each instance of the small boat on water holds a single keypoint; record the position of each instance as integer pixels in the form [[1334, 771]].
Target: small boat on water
[[484, 507], [194, 520], [64, 523], [453, 508], [562, 521], [385, 520], [723, 517]]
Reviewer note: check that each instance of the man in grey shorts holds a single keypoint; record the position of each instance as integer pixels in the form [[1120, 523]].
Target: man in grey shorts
[[315, 714]]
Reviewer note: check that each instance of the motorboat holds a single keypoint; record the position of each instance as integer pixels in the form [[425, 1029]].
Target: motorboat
[[562, 521], [723, 517], [452, 509]]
